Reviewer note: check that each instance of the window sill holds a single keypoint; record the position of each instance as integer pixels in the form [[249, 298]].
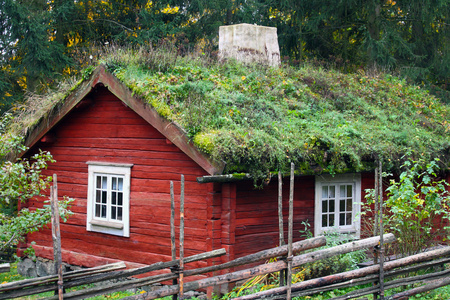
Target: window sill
[[106, 224]]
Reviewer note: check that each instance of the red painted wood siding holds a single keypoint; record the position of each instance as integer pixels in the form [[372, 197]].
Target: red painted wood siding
[[108, 131], [257, 212]]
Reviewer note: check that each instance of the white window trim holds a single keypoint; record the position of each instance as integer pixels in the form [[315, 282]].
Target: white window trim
[[355, 179], [120, 228]]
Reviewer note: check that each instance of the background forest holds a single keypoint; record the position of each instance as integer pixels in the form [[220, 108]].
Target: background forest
[[44, 40]]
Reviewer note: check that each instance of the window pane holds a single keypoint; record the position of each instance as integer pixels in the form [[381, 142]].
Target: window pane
[[113, 212], [341, 219], [349, 219], [97, 210], [349, 205], [119, 213], [324, 192], [120, 186], [113, 198], [342, 191], [120, 199], [324, 220], [103, 215], [324, 206], [103, 196], [104, 182], [349, 191], [331, 192], [331, 204], [114, 183], [342, 205], [99, 182], [331, 220], [98, 196]]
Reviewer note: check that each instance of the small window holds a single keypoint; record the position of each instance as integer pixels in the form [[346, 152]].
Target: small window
[[338, 203], [109, 198]]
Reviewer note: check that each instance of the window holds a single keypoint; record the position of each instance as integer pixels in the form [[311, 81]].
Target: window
[[109, 198], [338, 205]]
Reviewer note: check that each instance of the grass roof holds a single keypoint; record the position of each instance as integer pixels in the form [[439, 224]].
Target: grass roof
[[259, 119]]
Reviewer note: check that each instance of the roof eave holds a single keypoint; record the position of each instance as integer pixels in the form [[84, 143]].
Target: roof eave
[[169, 129]]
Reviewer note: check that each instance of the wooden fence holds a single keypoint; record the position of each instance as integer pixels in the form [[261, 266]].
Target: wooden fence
[[4, 268], [361, 276], [287, 257]]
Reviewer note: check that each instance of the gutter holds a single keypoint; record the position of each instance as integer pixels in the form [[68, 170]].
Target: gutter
[[224, 178]]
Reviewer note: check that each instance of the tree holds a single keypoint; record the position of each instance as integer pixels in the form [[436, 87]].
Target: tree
[[20, 180], [36, 54], [43, 40]]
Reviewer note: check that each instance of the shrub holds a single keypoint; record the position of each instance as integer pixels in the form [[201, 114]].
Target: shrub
[[20, 180], [336, 264], [417, 208]]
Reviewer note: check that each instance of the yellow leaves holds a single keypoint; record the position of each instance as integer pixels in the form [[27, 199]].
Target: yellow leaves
[[74, 40], [149, 5], [243, 78], [170, 10]]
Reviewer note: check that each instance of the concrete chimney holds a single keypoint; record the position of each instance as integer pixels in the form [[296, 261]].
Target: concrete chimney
[[249, 43]]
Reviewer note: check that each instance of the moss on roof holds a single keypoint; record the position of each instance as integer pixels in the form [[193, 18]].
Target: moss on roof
[[259, 119]]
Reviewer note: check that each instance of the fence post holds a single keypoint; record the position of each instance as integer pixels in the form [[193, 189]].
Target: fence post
[[181, 235], [380, 186], [375, 225], [280, 222], [56, 235], [291, 225], [173, 246]]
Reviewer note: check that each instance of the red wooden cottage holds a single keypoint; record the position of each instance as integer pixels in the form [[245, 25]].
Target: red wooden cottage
[[116, 156]]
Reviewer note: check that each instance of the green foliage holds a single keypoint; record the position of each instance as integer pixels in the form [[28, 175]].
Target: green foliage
[[41, 41], [417, 208], [259, 119], [336, 264], [20, 180]]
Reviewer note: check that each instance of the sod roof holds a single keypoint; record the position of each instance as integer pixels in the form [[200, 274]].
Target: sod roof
[[259, 119]]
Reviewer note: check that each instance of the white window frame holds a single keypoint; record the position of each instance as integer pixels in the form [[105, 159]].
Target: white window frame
[[108, 225], [353, 179]]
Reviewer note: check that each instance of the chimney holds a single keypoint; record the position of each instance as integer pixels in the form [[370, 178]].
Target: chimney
[[249, 43]]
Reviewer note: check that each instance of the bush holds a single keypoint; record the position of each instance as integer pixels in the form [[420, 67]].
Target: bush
[[417, 208], [336, 264], [20, 180]]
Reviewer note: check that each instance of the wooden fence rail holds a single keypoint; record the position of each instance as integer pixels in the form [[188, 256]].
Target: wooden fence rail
[[87, 276], [360, 276], [135, 283], [265, 268], [4, 268]]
